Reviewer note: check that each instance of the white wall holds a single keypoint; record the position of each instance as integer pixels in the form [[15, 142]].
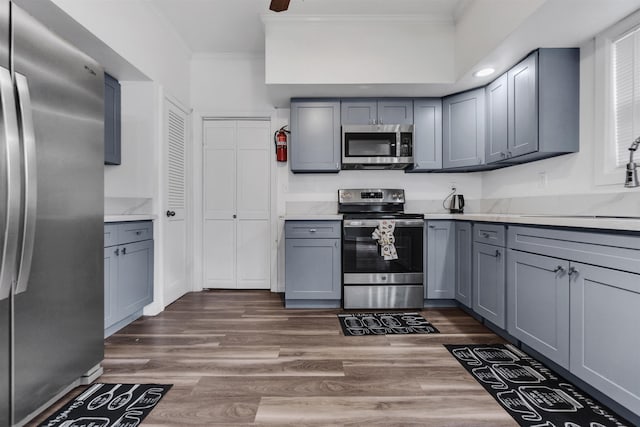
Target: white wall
[[358, 50], [138, 33]]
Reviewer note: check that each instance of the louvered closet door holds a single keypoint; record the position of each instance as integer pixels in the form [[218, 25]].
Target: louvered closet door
[[236, 199], [175, 245]]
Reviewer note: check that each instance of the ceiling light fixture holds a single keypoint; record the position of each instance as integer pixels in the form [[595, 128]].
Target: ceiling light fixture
[[484, 72]]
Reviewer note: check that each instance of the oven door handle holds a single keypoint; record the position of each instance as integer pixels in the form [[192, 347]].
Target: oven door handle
[[368, 223]]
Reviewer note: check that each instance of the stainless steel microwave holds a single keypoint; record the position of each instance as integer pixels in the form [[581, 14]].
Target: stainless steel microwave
[[377, 146]]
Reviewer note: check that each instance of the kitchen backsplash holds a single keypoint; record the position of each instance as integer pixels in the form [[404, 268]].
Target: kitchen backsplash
[[127, 206]]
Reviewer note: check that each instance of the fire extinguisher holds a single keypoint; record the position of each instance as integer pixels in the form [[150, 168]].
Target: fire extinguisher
[[280, 141]]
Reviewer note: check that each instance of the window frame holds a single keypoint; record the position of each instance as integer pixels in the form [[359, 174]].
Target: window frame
[[606, 171]]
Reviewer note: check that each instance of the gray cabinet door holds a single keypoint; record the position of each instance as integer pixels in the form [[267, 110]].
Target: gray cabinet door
[[464, 263], [395, 111], [523, 107], [538, 301], [463, 129], [605, 342], [427, 128], [135, 277], [315, 136], [441, 273], [312, 269], [489, 283], [496, 145], [359, 112], [110, 285]]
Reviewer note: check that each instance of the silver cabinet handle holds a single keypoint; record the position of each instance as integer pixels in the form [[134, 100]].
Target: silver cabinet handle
[[312, 230], [498, 253], [485, 235], [572, 271], [432, 226], [30, 180], [124, 251], [171, 213], [117, 252], [558, 269], [138, 233], [234, 216], [10, 137]]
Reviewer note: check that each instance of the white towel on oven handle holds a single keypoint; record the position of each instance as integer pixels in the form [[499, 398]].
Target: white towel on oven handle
[[384, 235]]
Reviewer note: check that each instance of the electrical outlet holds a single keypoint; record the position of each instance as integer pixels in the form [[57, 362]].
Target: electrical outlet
[[453, 186], [542, 179]]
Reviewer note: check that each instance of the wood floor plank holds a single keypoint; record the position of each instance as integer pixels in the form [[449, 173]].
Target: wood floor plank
[[239, 358]]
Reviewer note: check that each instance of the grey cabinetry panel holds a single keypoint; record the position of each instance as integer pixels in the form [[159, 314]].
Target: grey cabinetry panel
[[464, 262], [463, 130], [128, 272], [538, 303], [112, 121], [427, 142], [542, 112], [315, 135], [313, 264], [496, 146], [605, 342], [368, 111], [489, 283], [441, 253]]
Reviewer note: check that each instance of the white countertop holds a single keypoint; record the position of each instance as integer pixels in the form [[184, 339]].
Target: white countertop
[[131, 217], [580, 221]]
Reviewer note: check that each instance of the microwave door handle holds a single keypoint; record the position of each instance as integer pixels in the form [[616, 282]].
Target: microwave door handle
[[31, 186], [10, 139]]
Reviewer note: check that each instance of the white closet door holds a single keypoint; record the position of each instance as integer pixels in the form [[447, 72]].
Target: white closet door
[[236, 203], [175, 245]]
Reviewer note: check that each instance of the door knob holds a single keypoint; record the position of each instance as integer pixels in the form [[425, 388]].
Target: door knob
[[171, 213]]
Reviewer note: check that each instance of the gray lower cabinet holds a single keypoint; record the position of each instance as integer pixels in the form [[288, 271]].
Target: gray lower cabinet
[[427, 134], [464, 263], [538, 303], [605, 342], [463, 130], [313, 264], [489, 275], [315, 135], [440, 255], [574, 297], [128, 272]]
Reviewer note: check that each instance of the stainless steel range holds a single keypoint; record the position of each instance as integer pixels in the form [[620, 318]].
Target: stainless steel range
[[382, 250]]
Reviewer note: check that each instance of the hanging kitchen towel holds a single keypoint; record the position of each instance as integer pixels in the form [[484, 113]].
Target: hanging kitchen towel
[[384, 235]]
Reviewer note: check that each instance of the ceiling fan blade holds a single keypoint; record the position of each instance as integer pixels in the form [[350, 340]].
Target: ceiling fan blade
[[279, 5]]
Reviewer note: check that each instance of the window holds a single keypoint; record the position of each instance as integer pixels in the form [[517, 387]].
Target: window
[[617, 98]]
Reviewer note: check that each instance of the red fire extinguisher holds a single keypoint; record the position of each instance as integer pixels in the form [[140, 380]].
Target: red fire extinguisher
[[280, 141]]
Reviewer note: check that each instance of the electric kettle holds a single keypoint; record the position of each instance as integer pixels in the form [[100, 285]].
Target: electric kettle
[[457, 204]]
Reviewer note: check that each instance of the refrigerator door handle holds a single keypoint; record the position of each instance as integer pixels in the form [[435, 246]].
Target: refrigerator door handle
[[30, 180], [9, 132]]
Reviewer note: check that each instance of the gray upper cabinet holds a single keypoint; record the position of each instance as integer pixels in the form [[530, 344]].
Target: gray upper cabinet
[[376, 111], [440, 266], [542, 111], [538, 303], [464, 262], [427, 142], [112, 121], [496, 144], [463, 130], [315, 135]]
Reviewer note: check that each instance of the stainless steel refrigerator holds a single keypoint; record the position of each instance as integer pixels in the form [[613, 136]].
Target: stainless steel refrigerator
[[51, 216]]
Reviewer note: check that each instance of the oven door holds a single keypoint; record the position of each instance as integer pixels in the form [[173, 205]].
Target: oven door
[[370, 281]]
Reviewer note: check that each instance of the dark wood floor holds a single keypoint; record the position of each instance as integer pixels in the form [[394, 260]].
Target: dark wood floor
[[240, 358]]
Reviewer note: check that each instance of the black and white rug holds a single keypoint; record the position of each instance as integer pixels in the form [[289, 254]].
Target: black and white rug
[[529, 391], [358, 324], [104, 405]]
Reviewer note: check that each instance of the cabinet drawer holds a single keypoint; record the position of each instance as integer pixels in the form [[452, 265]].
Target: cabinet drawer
[[312, 229], [617, 251], [489, 233], [134, 231], [110, 235]]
